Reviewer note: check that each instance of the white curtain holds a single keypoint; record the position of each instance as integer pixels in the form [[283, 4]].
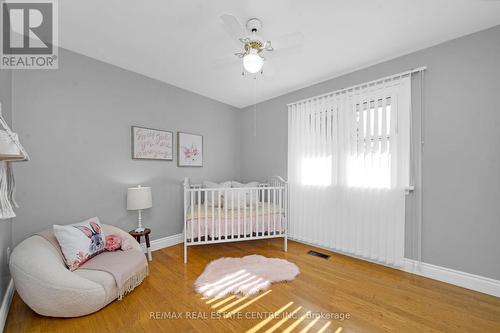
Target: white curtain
[[348, 168]]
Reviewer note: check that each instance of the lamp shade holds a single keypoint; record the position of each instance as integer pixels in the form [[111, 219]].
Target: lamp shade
[[139, 198]]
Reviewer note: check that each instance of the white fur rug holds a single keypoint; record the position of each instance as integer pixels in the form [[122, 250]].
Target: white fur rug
[[247, 275]]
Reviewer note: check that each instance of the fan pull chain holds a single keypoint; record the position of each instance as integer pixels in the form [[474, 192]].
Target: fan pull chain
[[255, 107]]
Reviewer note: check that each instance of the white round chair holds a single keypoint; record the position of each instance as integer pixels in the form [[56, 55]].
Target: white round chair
[[48, 287]]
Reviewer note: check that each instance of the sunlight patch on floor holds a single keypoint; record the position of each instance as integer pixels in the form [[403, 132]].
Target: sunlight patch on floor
[[278, 325], [268, 319], [241, 307], [230, 305], [322, 329], [283, 320], [296, 323], [216, 305], [211, 300], [217, 288], [224, 279], [240, 283], [309, 326]]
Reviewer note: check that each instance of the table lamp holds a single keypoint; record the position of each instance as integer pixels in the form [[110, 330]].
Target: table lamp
[[139, 198]]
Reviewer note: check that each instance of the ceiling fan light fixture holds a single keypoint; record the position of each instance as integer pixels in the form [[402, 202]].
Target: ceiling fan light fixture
[[253, 62]]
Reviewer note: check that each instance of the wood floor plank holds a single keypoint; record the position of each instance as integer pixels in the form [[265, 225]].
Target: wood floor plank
[[376, 298]]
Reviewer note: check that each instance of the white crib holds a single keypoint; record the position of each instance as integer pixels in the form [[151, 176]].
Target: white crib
[[235, 213]]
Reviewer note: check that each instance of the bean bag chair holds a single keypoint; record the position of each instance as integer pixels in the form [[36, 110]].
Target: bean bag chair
[[49, 288]]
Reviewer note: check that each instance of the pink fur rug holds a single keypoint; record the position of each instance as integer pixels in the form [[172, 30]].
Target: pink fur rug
[[247, 275]]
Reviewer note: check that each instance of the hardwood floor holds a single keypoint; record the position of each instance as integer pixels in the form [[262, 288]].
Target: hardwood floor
[[376, 299]]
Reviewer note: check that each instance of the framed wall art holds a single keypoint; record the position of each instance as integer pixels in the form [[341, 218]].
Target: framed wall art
[[152, 144], [189, 150]]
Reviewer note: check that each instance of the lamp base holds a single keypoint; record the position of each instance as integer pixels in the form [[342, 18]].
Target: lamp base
[[139, 229]]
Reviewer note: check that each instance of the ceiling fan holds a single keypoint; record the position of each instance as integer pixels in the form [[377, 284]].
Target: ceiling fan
[[254, 46]]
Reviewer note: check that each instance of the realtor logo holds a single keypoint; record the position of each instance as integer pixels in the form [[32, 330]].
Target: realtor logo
[[29, 34]]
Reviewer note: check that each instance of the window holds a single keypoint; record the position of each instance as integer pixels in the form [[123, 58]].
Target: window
[[369, 164], [355, 139]]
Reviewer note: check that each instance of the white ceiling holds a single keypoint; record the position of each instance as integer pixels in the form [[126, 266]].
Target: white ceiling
[[180, 41]]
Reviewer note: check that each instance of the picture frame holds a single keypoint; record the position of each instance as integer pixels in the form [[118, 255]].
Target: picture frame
[[189, 150], [152, 144]]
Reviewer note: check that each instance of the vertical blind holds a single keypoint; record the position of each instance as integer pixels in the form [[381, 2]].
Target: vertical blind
[[348, 168]]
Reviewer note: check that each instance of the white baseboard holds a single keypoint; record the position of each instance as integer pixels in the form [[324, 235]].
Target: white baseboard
[[7, 299], [164, 242], [462, 279]]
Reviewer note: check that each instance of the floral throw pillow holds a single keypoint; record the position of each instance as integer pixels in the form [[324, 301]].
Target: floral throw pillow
[[80, 241]]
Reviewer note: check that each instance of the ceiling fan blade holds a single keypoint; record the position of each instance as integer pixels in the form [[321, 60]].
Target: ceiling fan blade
[[268, 69], [233, 27], [288, 41]]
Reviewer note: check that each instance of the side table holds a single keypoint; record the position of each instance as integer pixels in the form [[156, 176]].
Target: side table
[[138, 234]]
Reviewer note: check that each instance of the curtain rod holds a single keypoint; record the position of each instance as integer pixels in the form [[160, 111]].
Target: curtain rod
[[387, 78]]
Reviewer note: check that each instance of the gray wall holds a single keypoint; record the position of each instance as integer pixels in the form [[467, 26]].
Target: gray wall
[[5, 225], [461, 159], [75, 123]]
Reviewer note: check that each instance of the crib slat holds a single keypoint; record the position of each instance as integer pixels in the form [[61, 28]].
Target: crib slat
[[213, 216], [232, 213], [239, 216], [191, 198], [199, 214], [257, 200], [245, 215], [219, 193], [268, 211], [225, 214], [206, 215], [185, 222], [263, 221], [263, 210], [251, 213], [274, 211]]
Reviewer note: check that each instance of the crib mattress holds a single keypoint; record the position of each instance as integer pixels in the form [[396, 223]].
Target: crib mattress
[[199, 212], [224, 223]]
